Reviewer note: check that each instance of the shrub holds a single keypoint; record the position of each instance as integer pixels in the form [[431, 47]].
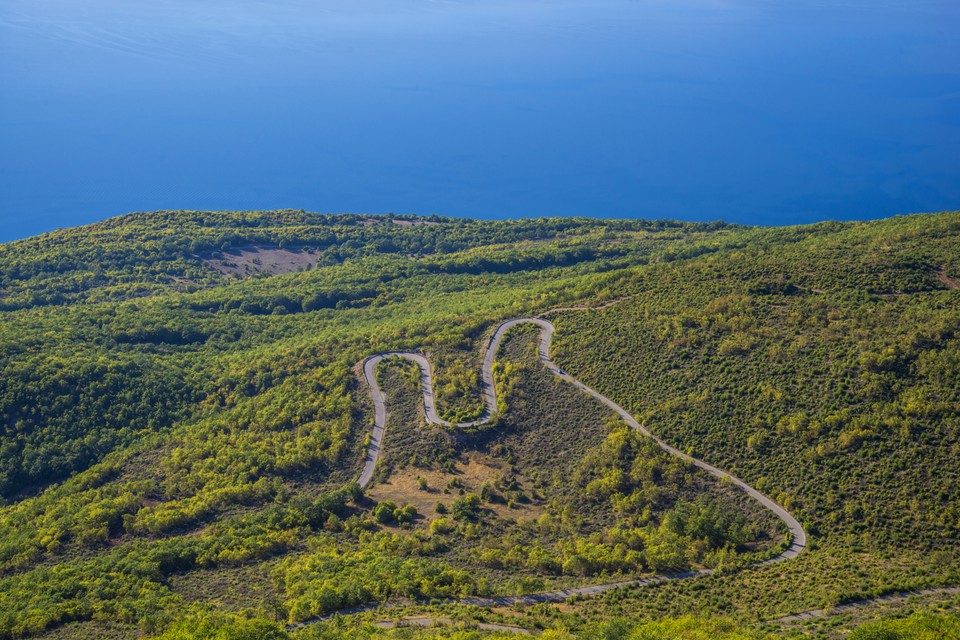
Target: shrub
[[466, 507]]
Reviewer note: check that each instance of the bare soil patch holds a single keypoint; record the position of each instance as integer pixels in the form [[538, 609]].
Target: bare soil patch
[[400, 223], [244, 262]]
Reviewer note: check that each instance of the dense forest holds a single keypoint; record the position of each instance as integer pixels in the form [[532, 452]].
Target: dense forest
[[182, 423]]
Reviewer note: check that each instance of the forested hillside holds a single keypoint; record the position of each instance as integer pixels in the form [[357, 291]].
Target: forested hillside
[[182, 422]]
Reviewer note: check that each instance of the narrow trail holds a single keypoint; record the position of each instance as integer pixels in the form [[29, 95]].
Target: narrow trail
[[421, 621], [797, 533], [948, 282], [856, 604]]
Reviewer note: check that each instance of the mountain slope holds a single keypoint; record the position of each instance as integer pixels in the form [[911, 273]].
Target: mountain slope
[[167, 416]]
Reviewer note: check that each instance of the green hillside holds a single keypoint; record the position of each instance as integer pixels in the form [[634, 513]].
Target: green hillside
[[184, 421]]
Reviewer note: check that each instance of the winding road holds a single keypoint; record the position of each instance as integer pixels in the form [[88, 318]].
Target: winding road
[[797, 533]]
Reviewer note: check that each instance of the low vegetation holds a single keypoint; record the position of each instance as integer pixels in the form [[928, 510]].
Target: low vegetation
[[166, 425]]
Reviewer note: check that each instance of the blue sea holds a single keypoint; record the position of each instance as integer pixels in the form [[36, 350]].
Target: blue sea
[[753, 111]]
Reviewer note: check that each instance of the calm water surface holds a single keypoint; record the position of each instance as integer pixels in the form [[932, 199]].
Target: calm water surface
[[756, 111]]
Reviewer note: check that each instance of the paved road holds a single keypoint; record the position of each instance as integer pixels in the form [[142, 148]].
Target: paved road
[[798, 535], [426, 383]]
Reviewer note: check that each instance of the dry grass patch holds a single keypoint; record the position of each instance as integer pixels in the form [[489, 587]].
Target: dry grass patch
[[424, 488], [249, 261]]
